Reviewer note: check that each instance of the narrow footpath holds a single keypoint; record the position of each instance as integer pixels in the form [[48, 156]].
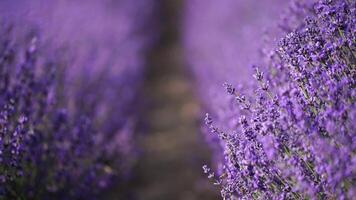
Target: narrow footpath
[[173, 150]]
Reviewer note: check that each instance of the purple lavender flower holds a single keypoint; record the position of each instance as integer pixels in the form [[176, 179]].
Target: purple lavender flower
[[216, 38], [292, 131], [69, 84]]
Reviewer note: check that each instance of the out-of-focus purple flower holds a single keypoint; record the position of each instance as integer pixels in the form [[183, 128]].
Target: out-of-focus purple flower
[[293, 135], [70, 73]]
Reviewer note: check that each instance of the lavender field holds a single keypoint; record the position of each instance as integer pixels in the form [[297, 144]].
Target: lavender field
[[177, 99]]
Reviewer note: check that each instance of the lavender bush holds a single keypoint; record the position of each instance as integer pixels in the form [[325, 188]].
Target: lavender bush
[[290, 134], [217, 38], [70, 74]]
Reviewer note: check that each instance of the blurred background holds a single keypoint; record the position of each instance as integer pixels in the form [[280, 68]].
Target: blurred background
[[171, 152]]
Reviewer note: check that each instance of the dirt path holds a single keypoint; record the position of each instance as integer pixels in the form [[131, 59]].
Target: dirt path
[[173, 150]]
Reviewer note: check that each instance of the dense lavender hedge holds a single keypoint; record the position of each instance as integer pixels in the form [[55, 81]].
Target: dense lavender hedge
[[291, 133], [221, 40], [70, 74]]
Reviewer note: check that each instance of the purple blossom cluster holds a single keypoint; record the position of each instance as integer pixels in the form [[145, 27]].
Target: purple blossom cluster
[[291, 133], [217, 39], [70, 76]]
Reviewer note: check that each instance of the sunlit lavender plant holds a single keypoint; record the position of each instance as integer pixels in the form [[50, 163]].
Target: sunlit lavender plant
[[217, 38], [295, 135]]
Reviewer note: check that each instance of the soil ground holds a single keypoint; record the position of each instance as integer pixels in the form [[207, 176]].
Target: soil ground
[[174, 152]]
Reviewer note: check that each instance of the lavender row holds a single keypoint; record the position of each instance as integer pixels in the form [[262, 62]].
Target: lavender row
[[221, 41], [70, 76], [290, 133]]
